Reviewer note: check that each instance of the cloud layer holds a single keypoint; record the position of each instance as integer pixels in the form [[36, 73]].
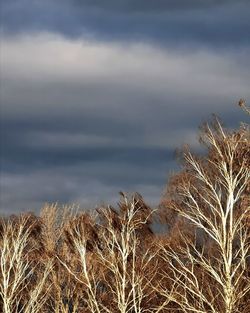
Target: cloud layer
[[181, 23], [84, 120], [97, 95]]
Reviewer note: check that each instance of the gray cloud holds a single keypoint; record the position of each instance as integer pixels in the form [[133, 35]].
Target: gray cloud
[[150, 5], [96, 95], [83, 119], [211, 23], [81, 184]]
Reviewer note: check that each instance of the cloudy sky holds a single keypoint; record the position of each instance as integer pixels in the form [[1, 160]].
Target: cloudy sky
[[97, 95]]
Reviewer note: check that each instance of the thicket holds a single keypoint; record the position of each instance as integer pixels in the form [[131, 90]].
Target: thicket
[[114, 259]]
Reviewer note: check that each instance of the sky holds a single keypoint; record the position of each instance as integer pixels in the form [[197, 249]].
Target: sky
[[96, 96]]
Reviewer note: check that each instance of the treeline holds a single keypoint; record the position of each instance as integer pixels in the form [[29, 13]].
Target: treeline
[[115, 260]]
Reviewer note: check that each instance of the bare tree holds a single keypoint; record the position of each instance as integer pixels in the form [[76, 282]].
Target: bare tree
[[211, 198], [22, 282], [64, 296], [114, 259]]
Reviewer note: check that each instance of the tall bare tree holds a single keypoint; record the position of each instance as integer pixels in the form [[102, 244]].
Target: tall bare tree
[[211, 198], [22, 277], [114, 257]]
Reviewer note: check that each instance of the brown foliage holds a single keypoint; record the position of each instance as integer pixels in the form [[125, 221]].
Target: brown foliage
[[110, 260]]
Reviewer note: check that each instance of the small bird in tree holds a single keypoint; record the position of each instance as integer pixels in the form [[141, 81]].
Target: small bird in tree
[[242, 104]]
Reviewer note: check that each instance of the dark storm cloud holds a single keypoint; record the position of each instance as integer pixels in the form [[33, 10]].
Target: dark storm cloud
[[91, 107], [31, 151], [149, 5], [166, 22]]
